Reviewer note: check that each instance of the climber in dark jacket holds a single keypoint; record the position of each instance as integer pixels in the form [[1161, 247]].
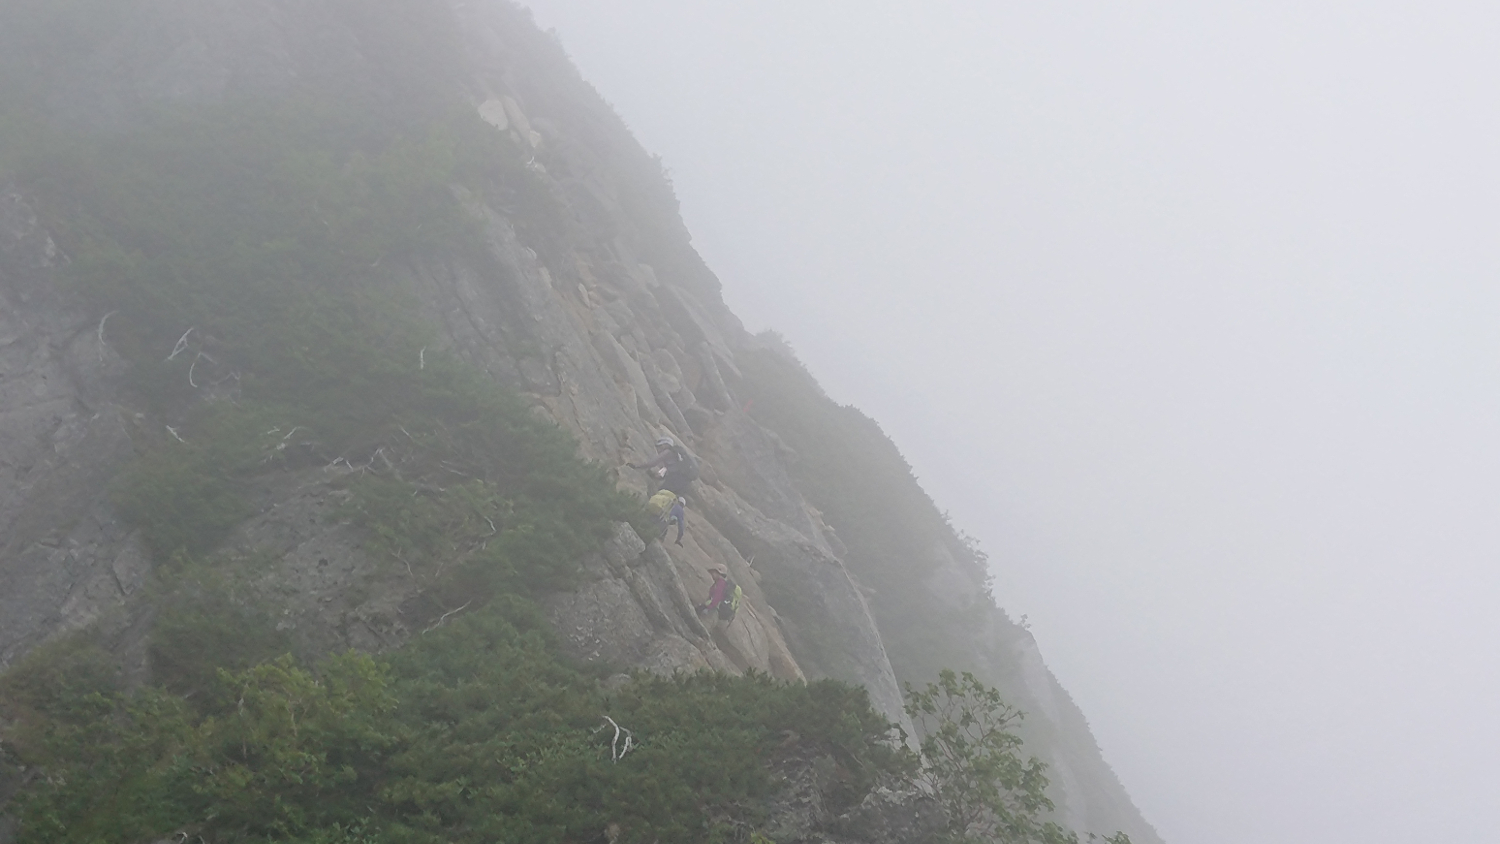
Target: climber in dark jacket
[[677, 467]]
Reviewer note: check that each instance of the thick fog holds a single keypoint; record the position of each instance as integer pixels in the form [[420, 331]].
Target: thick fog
[[1189, 311]]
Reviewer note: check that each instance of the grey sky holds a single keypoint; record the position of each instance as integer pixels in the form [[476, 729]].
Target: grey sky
[[1189, 311]]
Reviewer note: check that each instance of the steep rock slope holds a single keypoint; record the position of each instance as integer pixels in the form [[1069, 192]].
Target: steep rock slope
[[927, 583], [578, 287]]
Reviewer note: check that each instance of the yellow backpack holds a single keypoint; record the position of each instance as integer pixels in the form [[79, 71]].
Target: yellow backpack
[[661, 503]]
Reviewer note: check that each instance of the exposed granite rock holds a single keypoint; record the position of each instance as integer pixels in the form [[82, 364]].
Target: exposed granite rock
[[333, 594], [832, 632], [635, 610], [65, 559]]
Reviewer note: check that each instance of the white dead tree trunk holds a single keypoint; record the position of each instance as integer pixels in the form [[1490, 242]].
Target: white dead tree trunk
[[617, 751]]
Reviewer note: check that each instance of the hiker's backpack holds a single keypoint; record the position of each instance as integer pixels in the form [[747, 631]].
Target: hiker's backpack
[[686, 466], [660, 504], [733, 594]]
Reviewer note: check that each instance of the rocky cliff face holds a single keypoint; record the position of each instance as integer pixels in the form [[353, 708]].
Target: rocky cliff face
[[66, 558], [609, 324]]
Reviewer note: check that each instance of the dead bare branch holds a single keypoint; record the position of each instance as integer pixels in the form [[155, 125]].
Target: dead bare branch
[[181, 344], [370, 464], [439, 622], [102, 320], [175, 435], [616, 752], [409, 572]]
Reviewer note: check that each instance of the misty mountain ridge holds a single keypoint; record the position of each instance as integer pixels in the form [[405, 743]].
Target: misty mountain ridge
[[329, 332]]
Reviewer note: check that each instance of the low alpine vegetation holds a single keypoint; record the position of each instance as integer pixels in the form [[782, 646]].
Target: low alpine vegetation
[[476, 732], [972, 759]]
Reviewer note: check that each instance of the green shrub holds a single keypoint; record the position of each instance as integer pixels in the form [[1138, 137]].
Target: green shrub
[[204, 627], [70, 681], [109, 777], [186, 493], [972, 758], [476, 732]]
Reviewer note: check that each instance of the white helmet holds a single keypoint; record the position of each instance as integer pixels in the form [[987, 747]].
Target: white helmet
[[665, 442]]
